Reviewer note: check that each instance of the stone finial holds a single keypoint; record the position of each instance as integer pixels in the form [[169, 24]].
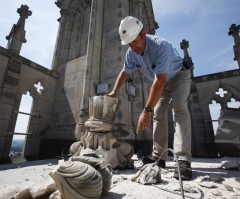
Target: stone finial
[[81, 5], [17, 34], [187, 60], [234, 31], [59, 3], [184, 46]]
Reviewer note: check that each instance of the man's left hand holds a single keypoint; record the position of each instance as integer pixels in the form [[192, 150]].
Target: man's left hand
[[144, 121]]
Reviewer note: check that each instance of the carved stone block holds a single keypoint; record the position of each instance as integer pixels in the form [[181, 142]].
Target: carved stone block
[[14, 66]]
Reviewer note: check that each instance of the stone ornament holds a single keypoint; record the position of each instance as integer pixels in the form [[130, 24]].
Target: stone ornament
[[89, 156], [102, 112], [76, 148], [77, 180], [88, 172], [36, 191], [106, 173]]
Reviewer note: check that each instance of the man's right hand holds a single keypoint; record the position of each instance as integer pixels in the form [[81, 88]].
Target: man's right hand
[[118, 84], [111, 94]]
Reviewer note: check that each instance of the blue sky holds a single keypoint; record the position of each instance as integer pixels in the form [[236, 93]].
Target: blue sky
[[41, 28], [204, 23]]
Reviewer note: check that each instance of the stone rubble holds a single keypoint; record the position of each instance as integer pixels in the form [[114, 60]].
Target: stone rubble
[[224, 183]]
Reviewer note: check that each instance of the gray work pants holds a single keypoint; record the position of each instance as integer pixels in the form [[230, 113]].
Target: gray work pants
[[177, 89]]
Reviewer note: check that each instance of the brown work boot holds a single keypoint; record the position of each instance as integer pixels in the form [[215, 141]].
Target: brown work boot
[[185, 169], [152, 159]]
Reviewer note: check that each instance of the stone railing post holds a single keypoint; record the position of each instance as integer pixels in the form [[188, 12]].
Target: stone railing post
[[16, 36], [187, 60], [234, 31]]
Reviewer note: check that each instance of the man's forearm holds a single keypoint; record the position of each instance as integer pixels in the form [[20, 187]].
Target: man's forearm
[[118, 84], [120, 81], [156, 90]]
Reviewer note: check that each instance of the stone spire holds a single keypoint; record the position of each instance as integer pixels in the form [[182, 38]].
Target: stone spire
[[234, 31], [17, 35], [187, 60]]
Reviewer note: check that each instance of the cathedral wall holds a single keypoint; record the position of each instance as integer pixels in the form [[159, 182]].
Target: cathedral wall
[[21, 76], [88, 52], [208, 91]]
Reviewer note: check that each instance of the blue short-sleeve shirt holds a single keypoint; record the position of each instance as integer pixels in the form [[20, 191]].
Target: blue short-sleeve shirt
[[159, 57]]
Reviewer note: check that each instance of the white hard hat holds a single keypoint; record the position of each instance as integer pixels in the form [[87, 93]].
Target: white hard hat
[[129, 29]]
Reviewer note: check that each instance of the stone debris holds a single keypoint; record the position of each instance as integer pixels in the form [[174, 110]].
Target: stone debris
[[188, 188], [216, 193], [229, 165], [37, 191], [106, 178], [208, 181], [56, 195], [201, 179], [135, 157], [232, 184], [138, 164], [215, 178], [148, 174], [165, 171], [217, 184], [237, 191], [220, 186], [208, 185]]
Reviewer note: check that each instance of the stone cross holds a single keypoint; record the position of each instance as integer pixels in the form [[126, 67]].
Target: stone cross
[[234, 31], [16, 36], [187, 59], [184, 46]]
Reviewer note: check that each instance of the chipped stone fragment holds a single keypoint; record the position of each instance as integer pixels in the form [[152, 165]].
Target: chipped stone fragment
[[228, 187], [23, 194], [148, 174], [188, 188], [40, 191], [232, 184], [229, 165], [201, 179], [216, 193], [56, 195], [216, 178], [208, 185]]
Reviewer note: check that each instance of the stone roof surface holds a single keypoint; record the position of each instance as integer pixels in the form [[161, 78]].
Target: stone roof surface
[[212, 178]]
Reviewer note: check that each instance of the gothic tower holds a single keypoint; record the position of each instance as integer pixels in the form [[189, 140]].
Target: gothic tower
[[88, 57]]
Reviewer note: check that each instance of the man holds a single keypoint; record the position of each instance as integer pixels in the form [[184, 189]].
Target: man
[[158, 61]]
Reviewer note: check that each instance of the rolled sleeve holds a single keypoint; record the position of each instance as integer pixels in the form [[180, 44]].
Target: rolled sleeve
[[129, 66]]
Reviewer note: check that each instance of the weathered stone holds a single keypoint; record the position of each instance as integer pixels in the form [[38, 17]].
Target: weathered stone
[[87, 53], [56, 195], [148, 174], [228, 165], [14, 65], [11, 80], [77, 180], [216, 178]]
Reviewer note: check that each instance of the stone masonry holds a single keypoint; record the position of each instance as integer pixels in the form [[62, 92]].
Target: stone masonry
[[88, 57]]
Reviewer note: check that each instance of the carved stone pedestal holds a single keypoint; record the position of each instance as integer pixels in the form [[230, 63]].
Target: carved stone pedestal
[[102, 112]]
